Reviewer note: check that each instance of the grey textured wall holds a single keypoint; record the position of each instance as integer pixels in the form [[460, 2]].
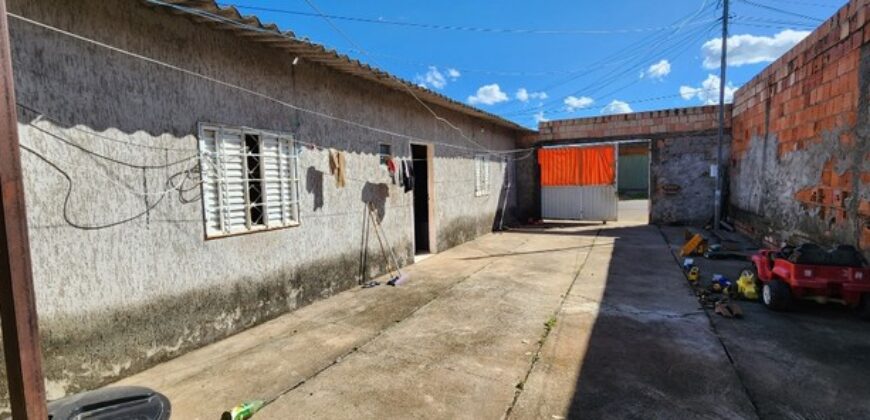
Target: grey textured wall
[[116, 299], [681, 185]]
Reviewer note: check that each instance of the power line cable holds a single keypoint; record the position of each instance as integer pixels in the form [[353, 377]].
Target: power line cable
[[490, 72], [405, 86], [671, 53], [782, 11], [644, 46], [521, 31], [770, 21], [247, 90], [674, 50], [765, 25], [805, 3]]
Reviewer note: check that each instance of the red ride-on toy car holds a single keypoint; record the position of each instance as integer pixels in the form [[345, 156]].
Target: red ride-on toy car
[[808, 271]]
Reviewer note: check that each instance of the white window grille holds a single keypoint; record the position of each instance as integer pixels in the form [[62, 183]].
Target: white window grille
[[250, 180], [481, 175]]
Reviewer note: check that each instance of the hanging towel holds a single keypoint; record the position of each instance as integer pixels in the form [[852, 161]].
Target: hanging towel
[[391, 168], [408, 172], [336, 167]]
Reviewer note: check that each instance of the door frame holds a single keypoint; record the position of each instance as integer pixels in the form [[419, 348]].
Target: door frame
[[430, 189]]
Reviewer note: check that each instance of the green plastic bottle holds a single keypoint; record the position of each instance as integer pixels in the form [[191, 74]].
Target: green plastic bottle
[[243, 411]]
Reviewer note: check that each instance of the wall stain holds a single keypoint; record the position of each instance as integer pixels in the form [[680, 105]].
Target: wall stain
[[89, 351], [463, 229]]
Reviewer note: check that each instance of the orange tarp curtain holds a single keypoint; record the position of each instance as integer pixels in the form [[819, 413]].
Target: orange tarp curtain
[[577, 166]]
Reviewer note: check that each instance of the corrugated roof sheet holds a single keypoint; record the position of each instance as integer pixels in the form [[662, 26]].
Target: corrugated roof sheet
[[250, 27]]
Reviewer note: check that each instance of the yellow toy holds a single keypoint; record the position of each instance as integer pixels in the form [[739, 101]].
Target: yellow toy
[[694, 246], [746, 285], [694, 274]]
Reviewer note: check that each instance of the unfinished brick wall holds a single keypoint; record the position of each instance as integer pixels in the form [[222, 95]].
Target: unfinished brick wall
[[638, 125], [799, 168], [683, 146]]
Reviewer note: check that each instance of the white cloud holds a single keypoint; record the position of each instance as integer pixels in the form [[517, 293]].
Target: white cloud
[[488, 95], [658, 70], [524, 95], [434, 78], [617, 107], [539, 117], [572, 103], [708, 92], [750, 49]]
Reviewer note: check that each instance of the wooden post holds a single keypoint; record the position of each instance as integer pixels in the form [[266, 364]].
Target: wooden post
[[17, 300]]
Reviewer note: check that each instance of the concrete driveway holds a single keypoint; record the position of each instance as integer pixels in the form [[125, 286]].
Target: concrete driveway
[[556, 321]]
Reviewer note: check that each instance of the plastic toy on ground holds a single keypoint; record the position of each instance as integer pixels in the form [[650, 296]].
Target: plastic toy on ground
[[838, 275]]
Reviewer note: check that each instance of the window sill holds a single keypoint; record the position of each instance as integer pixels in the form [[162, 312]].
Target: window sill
[[248, 232]]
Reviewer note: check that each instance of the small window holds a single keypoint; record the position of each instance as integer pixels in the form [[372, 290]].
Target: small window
[[386, 152], [481, 175], [250, 180]]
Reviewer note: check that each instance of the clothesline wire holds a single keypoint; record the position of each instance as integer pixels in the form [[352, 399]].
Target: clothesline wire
[[65, 210], [108, 158], [181, 189], [404, 85], [261, 95], [162, 195], [45, 116]]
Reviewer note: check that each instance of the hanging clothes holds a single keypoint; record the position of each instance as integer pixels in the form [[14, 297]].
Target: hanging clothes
[[400, 172], [408, 174], [391, 168], [337, 167], [394, 167]]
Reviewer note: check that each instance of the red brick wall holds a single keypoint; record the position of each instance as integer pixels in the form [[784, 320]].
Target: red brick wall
[[638, 125], [798, 119]]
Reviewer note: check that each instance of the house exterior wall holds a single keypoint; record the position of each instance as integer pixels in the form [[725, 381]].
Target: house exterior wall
[[683, 146], [801, 162], [123, 273]]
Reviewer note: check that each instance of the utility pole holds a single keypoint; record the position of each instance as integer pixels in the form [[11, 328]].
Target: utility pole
[[717, 212], [17, 300]]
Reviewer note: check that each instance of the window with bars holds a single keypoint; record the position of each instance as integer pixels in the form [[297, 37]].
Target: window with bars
[[481, 175], [250, 180]]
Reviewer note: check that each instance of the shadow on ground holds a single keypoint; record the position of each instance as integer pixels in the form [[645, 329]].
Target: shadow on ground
[[636, 344], [810, 362]]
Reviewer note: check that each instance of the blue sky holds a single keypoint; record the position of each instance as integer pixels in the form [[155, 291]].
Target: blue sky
[[557, 59]]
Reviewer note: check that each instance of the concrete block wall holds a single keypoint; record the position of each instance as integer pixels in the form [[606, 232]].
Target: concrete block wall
[[683, 147], [801, 153], [647, 124], [682, 188]]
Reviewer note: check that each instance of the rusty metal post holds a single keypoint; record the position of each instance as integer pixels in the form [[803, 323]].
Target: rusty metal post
[[17, 299]]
